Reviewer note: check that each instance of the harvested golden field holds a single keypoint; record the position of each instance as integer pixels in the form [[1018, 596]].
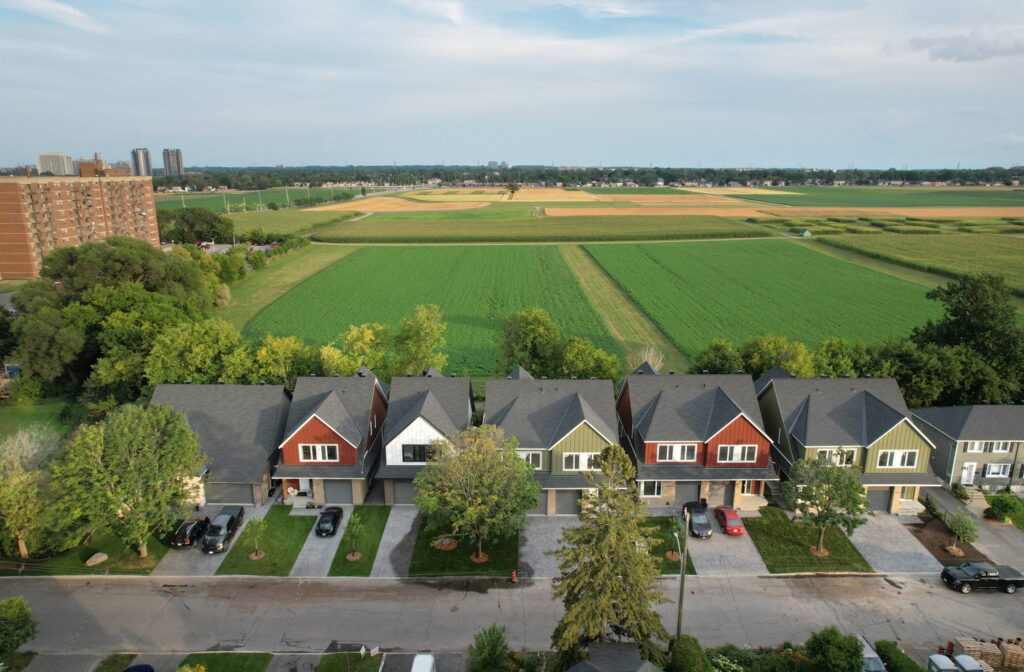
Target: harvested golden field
[[558, 196], [458, 195], [720, 211], [388, 204], [726, 191], [677, 200]]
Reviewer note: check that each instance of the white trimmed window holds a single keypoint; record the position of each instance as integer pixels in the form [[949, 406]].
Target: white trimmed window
[[1000, 470], [677, 452], [533, 457], [415, 452], [737, 453], [579, 462], [841, 457], [1002, 446], [649, 488], [897, 459], [974, 446], [318, 452]]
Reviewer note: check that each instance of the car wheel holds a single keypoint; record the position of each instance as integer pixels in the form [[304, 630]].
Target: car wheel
[[966, 588], [1010, 589]]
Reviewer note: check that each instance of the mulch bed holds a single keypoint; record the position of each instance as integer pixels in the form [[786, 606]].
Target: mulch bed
[[935, 536]]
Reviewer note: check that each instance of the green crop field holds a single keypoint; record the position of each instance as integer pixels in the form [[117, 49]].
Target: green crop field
[[888, 197], [250, 199], [699, 291], [537, 229], [475, 286], [287, 222], [951, 254], [489, 213], [633, 190]]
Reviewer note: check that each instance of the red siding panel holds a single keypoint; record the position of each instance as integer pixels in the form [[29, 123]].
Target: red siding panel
[[315, 431], [651, 452], [625, 413], [739, 431], [378, 408]]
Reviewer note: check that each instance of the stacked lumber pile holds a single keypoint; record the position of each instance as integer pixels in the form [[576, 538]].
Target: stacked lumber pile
[[1013, 655]]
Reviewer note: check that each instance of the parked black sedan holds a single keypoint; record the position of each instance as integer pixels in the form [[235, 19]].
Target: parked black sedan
[[327, 523], [190, 532], [700, 524]]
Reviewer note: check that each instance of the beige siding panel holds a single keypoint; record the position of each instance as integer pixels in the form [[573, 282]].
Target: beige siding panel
[[583, 439], [902, 437]]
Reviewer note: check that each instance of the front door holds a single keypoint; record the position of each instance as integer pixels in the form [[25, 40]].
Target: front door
[[967, 475], [305, 487]]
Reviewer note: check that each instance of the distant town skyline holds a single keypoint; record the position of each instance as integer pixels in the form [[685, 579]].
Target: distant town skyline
[[867, 84]]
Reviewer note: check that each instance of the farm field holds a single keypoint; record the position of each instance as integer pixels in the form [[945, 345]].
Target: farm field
[[633, 190], [948, 254], [285, 222], [843, 197], [250, 199], [475, 286], [391, 203], [699, 291], [488, 212], [537, 229]]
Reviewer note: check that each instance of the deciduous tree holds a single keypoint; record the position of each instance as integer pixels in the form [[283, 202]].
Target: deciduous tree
[[17, 626], [962, 526], [719, 357], [419, 343], [361, 345], [826, 494], [529, 339], [24, 487], [196, 352], [761, 353], [830, 650]]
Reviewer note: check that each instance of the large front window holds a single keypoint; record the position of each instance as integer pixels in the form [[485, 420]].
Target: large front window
[[677, 452], [842, 457], [997, 470], [737, 453], [318, 452], [650, 488], [897, 459], [533, 458], [579, 462], [415, 452]]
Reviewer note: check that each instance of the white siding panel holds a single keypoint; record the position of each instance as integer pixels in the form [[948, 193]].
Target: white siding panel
[[418, 432]]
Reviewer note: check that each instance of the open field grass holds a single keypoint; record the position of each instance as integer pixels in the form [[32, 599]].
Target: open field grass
[[888, 196], [699, 291], [489, 212], [250, 199], [121, 560], [286, 534], [374, 519], [949, 255], [21, 416], [785, 546], [475, 286], [260, 289], [537, 229], [286, 222]]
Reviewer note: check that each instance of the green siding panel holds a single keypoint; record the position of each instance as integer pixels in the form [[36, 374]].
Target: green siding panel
[[903, 437], [583, 439]]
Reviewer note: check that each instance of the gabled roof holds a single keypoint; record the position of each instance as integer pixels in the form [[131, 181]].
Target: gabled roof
[[542, 412], [691, 407], [238, 426], [775, 372], [446, 403], [839, 411], [519, 373], [614, 657], [645, 369], [976, 423], [343, 404]]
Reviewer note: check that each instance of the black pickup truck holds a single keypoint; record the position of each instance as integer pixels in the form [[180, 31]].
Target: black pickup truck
[[969, 576]]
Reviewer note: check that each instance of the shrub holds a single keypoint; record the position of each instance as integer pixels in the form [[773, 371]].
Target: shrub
[[26, 390], [1003, 506], [960, 492], [929, 505], [685, 655], [489, 651], [894, 659]]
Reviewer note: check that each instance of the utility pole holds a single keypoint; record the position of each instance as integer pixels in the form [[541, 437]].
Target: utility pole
[[682, 571]]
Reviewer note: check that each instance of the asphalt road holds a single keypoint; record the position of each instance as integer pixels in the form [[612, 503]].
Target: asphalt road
[[90, 615]]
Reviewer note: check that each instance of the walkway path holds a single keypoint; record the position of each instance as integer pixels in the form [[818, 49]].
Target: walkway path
[[395, 551]]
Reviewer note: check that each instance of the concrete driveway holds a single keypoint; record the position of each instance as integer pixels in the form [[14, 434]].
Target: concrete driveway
[[722, 555], [396, 544], [888, 546], [540, 535], [317, 553], [192, 562]]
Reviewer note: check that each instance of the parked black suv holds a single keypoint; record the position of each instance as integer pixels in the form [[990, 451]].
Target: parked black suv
[[222, 529], [190, 532]]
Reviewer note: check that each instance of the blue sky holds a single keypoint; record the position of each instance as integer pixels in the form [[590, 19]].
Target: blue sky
[[574, 82]]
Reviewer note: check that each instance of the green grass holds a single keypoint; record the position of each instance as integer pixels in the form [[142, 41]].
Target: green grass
[[122, 560], [664, 527], [287, 222], [696, 292], [888, 197], [258, 290], [1017, 518], [634, 190], [428, 561], [950, 255], [785, 546], [282, 543], [490, 213], [475, 286], [230, 662], [373, 518], [249, 199], [16, 662], [349, 662], [15, 416], [538, 229], [115, 662], [10, 284]]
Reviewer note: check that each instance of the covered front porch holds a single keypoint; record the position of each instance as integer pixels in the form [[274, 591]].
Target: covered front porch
[[320, 485]]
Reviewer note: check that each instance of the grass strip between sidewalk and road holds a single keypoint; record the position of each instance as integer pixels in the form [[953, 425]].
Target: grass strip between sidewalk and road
[[121, 559], [785, 546], [366, 542], [349, 662], [282, 543], [230, 661]]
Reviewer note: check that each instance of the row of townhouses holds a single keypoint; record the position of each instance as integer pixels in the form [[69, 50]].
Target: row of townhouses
[[722, 438]]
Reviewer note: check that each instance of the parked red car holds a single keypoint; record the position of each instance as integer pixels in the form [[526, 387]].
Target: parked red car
[[729, 519]]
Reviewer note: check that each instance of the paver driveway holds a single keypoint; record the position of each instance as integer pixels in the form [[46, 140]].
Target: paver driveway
[[541, 534], [888, 546], [395, 551], [724, 555], [191, 561], [317, 553]]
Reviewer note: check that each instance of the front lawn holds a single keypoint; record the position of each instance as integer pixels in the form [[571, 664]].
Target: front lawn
[[664, 527], [282, 543], [785, 546], [230, 662], [428, 561], [16, 662], [349, 662], [122, 560], [373, 518], [115, 662]]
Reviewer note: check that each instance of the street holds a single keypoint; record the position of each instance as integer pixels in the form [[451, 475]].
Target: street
[[148, 614]]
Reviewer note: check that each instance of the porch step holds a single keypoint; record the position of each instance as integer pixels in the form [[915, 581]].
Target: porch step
[[976, 496], [773, 492]]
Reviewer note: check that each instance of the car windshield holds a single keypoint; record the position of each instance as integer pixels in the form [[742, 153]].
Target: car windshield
[[214, 530], [698, 518], [326, 520], [969, 570]]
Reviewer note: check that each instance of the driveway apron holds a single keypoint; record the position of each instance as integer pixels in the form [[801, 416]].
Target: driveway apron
[[724, 555], [396, 545], [540, 535], [317, 553], [888, 546]]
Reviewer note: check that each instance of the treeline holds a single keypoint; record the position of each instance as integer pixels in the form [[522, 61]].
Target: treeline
[[266, 177], [973, 354]]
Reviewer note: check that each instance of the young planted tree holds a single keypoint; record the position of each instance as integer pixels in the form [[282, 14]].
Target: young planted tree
[[513, 189], [478, 486], [352, 532], [826, 494], [257, 530], [24, 487], [132, 472], [607, 578], [962, 527], [16, 625]]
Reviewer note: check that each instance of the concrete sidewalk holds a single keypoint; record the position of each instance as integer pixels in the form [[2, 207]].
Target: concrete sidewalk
[[1003, 544]]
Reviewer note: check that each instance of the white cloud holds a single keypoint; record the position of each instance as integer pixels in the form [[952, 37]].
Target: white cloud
[[979, 45], [58, 12]]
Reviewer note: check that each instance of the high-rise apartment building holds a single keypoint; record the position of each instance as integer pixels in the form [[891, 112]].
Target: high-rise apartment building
[[141, 165], [40, 214], [173, 164], [55, 163]]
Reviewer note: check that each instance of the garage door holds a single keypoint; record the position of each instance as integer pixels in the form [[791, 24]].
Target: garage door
[[338, 492], [229, 493], [567, 502], [878, 498], [404, 492], [687, 492], [542, 504]]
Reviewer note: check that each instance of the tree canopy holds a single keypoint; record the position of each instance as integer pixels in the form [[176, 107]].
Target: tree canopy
[[826, 494], [531, 339]]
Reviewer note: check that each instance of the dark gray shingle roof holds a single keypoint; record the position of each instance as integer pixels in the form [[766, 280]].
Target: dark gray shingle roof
[[976, 423], [519, 373], [343, 403], [541, 412], [766, 377], [690, 407], [614, 657], [443, 402], [238, 426]]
